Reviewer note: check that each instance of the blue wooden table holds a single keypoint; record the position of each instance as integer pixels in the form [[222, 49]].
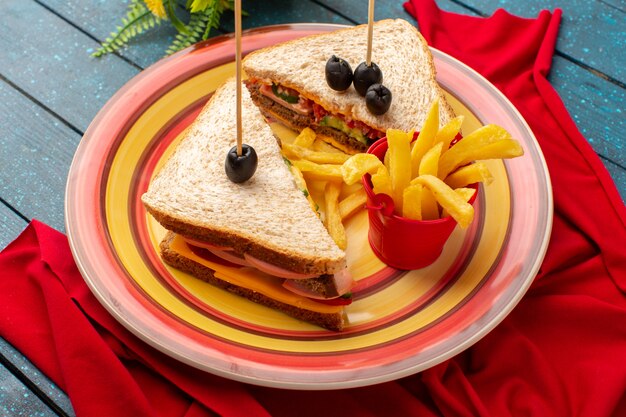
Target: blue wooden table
[[51, 88]]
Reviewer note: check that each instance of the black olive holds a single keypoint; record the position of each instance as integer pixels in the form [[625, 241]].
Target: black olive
[[378, 99], [240, 168], [338, 74], [366, 75]]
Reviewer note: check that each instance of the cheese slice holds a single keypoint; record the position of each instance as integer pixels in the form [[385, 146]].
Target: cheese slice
[[254, 280]]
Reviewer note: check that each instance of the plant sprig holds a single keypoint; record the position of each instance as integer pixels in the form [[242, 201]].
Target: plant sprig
[[201, 15]]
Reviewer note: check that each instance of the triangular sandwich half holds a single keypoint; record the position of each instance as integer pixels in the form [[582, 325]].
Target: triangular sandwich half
[[259, 239], [296, 71]]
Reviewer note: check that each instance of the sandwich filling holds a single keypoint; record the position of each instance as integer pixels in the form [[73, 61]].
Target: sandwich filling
[[324, 289], [298, 112]]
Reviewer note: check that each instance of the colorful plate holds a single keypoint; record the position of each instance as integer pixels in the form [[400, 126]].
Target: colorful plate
[[400, 323]]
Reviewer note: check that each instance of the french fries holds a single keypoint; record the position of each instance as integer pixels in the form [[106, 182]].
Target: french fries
[[430, 161], [453, 203], [332, 216], [358, 165], [306, 138], [321, 146], [412, 205], [426, 138], [439, 173], [448, 132], [428, 166], [381, 181], [323, 172], [426, 178], [470, 174], [321, 168], [319, 157], [352, 203], [488, 142], [399, 163]]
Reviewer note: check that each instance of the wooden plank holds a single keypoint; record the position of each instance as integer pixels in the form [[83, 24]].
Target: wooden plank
[[617, 4], [99, 19], [35, 155], [11, 225], [596, 106], [39, 392], [17, 400], [56, 69], [282, 11]]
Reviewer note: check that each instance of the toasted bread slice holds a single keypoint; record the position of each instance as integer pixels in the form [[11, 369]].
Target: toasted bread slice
[[398, 49], [266, 217], [332, 320]]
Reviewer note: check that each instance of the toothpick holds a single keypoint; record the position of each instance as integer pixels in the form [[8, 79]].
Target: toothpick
[[238, 76], [370, 31]]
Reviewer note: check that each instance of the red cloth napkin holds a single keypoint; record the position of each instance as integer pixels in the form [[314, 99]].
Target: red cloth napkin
[[561, 352]]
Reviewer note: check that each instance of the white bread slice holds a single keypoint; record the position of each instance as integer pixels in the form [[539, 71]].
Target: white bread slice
[[267, 217], [397, 48]]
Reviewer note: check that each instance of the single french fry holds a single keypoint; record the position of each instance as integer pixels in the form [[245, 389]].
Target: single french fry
[[347, 190], [358, 165], [399, 164], [428, 166], [306, 138], [332, 216], [430, 208], [412, 205], [453, 203], [324, 172], [501, 149], [381, 181], [352, 203], [465, 193], [430, 161], [448, 132], [426, 137], [321, 146], [296, 151], [469, 174], [289, 151], [478, 138], [482, 136]]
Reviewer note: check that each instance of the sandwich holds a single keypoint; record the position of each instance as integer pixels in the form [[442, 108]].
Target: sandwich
[[259, 239], [287, 82]]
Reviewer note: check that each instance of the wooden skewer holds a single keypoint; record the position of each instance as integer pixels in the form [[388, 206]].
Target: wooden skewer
[[370, 31], [238, 76]]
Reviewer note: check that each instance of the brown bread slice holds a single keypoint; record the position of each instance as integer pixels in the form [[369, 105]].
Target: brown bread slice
[[398, 49], [267, 217], [334, 321]]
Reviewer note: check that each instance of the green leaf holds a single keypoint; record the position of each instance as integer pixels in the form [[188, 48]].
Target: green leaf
[[204, 16], [133, 24], [199, 26], [171, 14], [199, 5]]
